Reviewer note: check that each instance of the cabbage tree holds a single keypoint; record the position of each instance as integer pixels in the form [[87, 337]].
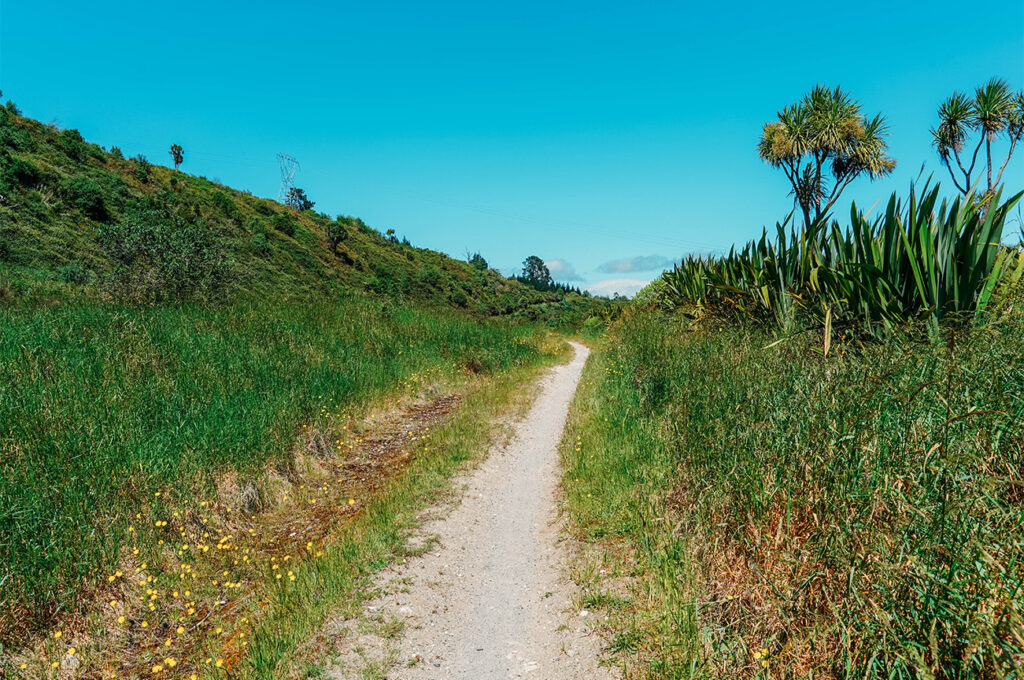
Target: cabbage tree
[[823, 143]]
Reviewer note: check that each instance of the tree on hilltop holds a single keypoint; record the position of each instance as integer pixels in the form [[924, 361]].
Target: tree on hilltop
[[298, 200], [177, 155], [535, 271]]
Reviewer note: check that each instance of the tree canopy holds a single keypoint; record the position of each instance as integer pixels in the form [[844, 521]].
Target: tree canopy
[[535, 271], [994, 111], [822, 143]]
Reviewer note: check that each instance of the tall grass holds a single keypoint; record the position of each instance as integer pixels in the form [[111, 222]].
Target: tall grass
[[793, 516], [919, 259], [102, 407]]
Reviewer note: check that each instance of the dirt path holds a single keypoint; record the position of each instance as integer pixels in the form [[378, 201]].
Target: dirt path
[[488, 600]]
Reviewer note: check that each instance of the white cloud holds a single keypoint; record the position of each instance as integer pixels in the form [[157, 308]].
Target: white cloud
[[624, 287], [640, 263], [562, 271]]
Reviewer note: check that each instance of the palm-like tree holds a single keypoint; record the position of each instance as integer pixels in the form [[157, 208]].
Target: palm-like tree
[[993, 111], [822, 143], [177, 155]]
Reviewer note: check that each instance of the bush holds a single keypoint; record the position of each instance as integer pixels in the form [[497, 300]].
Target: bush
[[142, 168], [223, 203], [73, 145], [73, 272], [478, 262], [336, 233], [283, 223], [260, 244], [160, 255], [85, 196], [115, 151], [431, 277], [17, 172]]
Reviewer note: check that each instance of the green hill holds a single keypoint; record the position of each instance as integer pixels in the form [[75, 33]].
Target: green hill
[[76, 219], [160, 333]]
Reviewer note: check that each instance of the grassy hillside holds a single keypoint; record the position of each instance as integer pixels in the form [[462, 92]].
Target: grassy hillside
[[162, 336], [104, 406], [192, 238]]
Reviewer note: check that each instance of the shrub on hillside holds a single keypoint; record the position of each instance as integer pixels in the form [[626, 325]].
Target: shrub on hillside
[[73, 145], [16, 172], [84, 195], [73, 272], [283, 223], [336, 233], [161, 255], [142, 168], [223, 203]]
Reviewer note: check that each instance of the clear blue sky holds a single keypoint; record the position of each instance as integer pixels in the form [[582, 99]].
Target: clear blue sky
[[589, 133]]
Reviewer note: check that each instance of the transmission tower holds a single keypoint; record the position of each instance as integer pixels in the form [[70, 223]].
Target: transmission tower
[[288, 167]]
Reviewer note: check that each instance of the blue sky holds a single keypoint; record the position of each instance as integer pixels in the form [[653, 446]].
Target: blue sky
[[608, 138]]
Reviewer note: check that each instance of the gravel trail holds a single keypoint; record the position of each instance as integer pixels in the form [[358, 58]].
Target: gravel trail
[[489, 600]]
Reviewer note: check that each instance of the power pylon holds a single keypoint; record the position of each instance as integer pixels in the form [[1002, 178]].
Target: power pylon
[[288, 167]]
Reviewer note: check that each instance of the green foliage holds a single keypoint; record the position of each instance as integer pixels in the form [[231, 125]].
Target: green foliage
[[336, 233], [922, 259], [177, 155], [224, 205], [84, 195], [535, 271], [298, 200], [478, 262], [161, 256], [103, 406], [993, 112], [142, 168], [18, 173], [260, 243], [73, 145], [858, 516], [275, 253], [283, 223], [822, 143], [73, 272]]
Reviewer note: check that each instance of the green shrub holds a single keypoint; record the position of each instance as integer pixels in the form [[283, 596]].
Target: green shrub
[[84, 195], [260, 244], [73, 145], [223, 203], [142, 168], [17, 172], [161, 255], [919, 259], [336, 233], [73, 272], [283, 223], [431, 277]]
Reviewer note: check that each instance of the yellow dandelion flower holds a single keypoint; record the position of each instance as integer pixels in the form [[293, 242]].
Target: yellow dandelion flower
[[57, 634], [71, 651]]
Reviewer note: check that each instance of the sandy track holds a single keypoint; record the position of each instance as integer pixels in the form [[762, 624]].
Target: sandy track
[[489, 600]]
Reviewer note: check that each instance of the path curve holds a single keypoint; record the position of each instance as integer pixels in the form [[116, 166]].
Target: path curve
[[490, 601]]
